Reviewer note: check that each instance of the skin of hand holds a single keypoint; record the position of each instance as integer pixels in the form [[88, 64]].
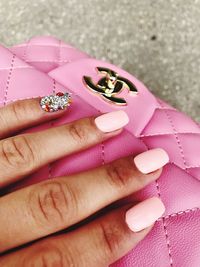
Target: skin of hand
[[36, 212]]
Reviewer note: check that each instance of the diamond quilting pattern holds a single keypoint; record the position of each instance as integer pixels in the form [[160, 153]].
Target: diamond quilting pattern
[[183, 239], [178, 230], [47, 53], [160, 123]]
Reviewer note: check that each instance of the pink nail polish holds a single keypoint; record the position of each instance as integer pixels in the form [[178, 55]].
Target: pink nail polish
[[144, 214], [151, 160], [112, 121]]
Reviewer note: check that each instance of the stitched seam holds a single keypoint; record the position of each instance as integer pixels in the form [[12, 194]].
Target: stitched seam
[[162, 107], [54, 86], [162, 134], [188, 168], [8, 79], [163, 220], [179, 213], [166, 108], [103, 153], [193, 166], [24, 54], [165, 228], [18, 67], [171, 109], [174, 109], [168, 242], [49, 61], [26, 50], [59, 51], [49, 45], [177, 139]]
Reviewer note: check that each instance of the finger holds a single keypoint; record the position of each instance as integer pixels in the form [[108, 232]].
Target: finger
[[22, 114], [98, 243], [53, 205], [23, 154]]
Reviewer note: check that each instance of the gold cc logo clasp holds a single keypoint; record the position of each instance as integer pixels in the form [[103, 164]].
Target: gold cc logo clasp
[[110, 85]]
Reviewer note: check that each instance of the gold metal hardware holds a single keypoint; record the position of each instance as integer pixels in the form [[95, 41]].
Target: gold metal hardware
[[110, 85]]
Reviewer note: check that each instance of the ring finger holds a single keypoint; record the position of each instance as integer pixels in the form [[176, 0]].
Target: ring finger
[[98, 243]]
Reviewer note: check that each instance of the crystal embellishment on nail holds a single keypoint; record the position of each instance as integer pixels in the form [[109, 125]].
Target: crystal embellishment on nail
[[56, 102]]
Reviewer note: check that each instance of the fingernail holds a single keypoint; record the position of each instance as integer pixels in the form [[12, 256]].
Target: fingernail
[[144, 214], [56, 102], [151, 160], [112, 121]]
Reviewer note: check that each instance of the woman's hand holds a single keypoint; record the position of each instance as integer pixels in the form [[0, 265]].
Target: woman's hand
[[37, 211]]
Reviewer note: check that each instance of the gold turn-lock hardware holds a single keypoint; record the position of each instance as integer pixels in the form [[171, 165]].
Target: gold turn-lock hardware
[[110, 85]]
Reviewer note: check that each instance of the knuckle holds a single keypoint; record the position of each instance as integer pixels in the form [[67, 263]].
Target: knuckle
[[78, 132], [118, 173], [20, 110], [17, 152], [84, 130], [109, 238], [53, 203], [47, 256]]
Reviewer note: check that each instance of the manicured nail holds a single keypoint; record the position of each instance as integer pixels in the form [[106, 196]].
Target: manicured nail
[[144, 214], [112, 121], [151, 160], [55, 102]]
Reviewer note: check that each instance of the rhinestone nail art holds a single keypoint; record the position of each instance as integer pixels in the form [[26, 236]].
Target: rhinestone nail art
[[55, 102]]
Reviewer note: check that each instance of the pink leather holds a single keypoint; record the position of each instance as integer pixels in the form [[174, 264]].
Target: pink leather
[[44, 65]]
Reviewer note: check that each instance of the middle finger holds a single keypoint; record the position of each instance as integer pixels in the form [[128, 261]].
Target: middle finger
[[50, 206]]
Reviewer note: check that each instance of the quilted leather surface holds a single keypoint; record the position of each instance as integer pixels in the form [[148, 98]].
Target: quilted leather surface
[[44, 65]]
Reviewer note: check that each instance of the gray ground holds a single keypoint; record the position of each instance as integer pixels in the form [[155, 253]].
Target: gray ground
[[157, 40]]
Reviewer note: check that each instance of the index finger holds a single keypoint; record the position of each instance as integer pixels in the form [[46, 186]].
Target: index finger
[[23, 154], [28, 112]]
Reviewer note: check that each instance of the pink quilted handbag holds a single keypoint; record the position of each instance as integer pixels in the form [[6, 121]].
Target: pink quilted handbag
[[44, 65]]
